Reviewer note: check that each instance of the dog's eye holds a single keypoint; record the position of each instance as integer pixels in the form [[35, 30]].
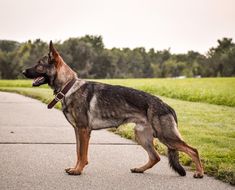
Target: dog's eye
[[39, 68]]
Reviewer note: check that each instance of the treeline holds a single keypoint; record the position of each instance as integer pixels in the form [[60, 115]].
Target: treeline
[[90, 59]]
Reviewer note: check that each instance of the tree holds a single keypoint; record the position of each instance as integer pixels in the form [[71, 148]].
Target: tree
[[157, 60], [80, 55], [90, 59], [8, 46], [221, 58]]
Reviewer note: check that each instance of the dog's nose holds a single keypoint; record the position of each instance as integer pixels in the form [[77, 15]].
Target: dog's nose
[[24, 72]]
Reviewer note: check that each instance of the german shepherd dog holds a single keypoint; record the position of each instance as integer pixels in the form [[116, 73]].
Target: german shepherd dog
[[91, 105]]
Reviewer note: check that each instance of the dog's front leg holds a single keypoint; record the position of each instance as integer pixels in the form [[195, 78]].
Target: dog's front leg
[[83, 134], [77, 150]]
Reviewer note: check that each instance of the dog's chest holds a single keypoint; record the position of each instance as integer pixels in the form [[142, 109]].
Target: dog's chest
[[75, 109], [72, 111]]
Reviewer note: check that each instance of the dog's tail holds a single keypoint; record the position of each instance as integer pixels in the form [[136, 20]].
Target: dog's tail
[[173, 156]]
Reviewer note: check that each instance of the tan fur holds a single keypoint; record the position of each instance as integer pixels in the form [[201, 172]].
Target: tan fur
[[193, 153], [82, 150]]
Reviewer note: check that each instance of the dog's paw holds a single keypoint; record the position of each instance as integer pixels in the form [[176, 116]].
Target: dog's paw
[[198, 175], [67, 169], [73, 171], [136, 170]]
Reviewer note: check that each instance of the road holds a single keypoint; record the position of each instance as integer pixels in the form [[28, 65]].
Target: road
[[36, 144]]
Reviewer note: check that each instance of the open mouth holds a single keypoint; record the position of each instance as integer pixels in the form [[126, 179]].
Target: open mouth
[[38, 81]]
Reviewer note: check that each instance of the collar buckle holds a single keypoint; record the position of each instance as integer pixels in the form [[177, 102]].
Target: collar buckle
[[59, 96]]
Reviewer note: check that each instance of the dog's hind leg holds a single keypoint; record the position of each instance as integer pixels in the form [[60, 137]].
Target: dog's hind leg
[[144, 136], [170, 136], [193, 153]]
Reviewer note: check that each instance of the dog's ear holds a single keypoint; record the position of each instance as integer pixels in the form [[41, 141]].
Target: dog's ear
[[54, 54], [52, 50]]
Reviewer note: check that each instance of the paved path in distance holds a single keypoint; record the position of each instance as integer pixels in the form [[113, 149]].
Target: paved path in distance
[[36, 144]]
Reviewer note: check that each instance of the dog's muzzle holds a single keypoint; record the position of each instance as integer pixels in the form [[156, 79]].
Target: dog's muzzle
[[24, 72]]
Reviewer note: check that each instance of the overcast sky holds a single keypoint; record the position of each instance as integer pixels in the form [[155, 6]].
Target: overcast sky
[[181, 25]]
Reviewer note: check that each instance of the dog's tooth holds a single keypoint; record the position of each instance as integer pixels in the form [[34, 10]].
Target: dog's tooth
[[37, 79], [40, 78]]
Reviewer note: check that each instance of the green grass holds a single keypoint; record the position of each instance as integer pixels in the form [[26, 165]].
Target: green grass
[[220, 91], [208, 127]]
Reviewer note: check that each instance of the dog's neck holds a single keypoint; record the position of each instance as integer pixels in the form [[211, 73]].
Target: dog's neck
[[64, 75]]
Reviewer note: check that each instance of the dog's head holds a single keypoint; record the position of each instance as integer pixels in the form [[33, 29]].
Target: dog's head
[[45, 70]]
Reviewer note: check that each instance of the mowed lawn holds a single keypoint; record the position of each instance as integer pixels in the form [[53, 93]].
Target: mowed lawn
[[220, 91], [206, 126]]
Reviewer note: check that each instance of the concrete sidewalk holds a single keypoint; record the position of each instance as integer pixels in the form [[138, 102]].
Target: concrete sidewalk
[[36, 144]]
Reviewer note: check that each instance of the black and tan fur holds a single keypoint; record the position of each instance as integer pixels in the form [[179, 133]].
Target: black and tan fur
[[90, 105]]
